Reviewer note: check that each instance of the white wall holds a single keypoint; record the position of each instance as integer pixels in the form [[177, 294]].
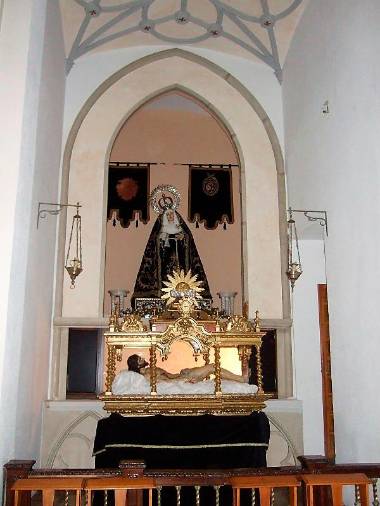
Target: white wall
[[31, 99], [306, 338], [333, 163]]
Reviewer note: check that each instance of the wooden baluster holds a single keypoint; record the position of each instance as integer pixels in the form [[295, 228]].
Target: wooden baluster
[[265, 496], [272, 497], [111, 368], [293, 496], [150, 495], [337, 494], [253, 496], [120, 497], [48, 497], [218, 378], [17, 498], [259, 368], [106, 498], [364, 495], [236, 496], [153, 370]]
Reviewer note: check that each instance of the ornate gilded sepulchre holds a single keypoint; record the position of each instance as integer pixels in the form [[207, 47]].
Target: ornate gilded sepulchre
[[207, 332]]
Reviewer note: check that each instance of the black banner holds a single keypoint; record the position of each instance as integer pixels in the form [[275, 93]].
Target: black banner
[[210, 195], [128, 192]]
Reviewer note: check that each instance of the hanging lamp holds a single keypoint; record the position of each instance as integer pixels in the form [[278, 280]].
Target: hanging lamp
[[74, 265], [294, 269]]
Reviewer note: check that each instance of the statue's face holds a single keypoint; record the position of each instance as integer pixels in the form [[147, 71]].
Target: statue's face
[[142, 362], [170, 216]]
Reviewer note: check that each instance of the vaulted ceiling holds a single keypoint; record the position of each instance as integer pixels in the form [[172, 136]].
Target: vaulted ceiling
[[255, 29]]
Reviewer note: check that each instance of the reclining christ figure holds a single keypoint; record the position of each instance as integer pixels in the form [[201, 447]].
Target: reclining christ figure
[[136, 380], [138, 364]]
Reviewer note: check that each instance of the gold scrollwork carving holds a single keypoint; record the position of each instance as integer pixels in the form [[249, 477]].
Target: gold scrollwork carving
[[132, 323], [237, 323], [187, 330]]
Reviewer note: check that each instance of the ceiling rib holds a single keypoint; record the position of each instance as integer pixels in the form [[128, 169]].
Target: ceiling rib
[[245, 37]]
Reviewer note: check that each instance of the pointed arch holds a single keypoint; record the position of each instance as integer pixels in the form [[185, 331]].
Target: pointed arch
[[236, 97]]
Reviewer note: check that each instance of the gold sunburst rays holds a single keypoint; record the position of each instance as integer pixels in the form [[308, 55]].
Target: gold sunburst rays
[[180, 285]]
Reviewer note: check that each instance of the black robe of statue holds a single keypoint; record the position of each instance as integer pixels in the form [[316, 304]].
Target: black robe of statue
[[159, 261]]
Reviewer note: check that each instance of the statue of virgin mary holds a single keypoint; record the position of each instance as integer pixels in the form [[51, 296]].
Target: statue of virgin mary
[[170, 247]]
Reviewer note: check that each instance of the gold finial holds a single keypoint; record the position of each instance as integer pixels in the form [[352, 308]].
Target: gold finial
[[112, 322], [256, 322]]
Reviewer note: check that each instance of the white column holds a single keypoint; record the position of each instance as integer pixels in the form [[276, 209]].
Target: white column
[[31, 103]]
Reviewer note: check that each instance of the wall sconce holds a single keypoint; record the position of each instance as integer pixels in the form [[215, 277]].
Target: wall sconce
[[51, 208], [294, 269], [74, 266]]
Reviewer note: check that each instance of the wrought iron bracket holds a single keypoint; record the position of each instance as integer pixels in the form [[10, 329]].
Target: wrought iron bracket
[[318, 216], [45, 208]]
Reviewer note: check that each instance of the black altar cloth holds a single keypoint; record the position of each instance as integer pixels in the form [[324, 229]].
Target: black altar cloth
[[183, 442]]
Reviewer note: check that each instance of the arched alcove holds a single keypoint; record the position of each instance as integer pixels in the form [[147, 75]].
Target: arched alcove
[[171, 132], [87, 155]]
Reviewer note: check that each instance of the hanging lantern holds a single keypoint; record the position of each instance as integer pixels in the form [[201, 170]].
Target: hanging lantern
[[294, 270], [74, 265]]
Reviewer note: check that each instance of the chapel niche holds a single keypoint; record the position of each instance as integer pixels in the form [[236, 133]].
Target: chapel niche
[[163, 143]]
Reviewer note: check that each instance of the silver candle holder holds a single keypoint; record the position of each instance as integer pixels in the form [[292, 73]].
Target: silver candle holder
[[227, 302], [118, 298]]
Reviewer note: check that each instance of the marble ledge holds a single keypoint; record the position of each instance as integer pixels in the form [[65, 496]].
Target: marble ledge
[[273, 406]]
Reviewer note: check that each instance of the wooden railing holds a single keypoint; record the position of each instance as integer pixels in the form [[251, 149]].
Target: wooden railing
[[21, 478]]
